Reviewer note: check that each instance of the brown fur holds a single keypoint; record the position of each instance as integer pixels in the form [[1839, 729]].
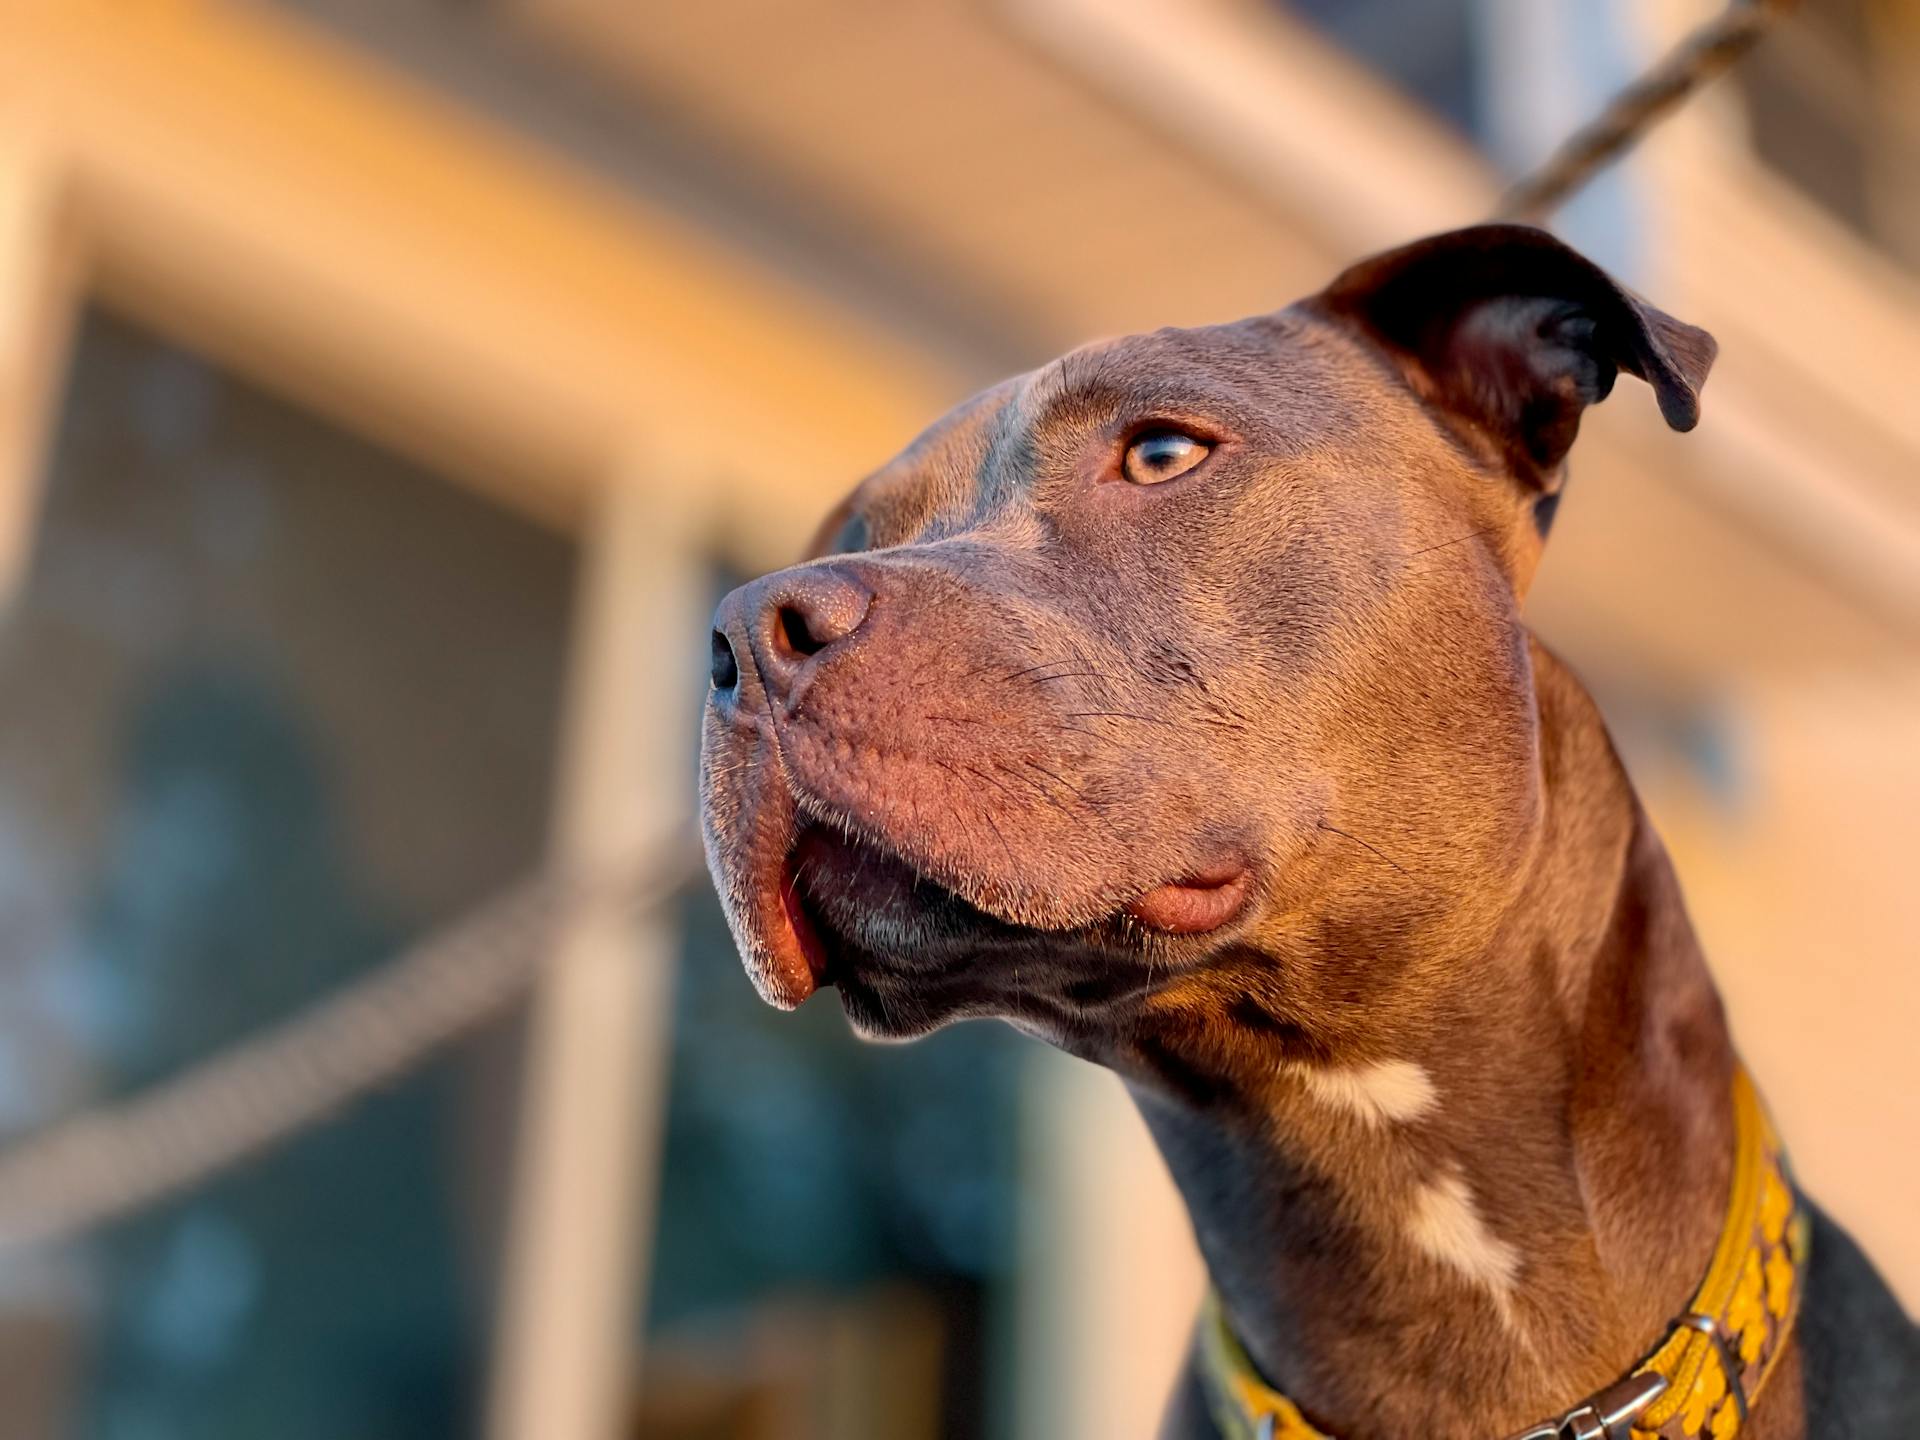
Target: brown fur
[[1059, 690]]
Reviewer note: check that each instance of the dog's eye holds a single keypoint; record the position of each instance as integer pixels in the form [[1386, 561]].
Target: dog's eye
[[854, 535], [1162, 455]]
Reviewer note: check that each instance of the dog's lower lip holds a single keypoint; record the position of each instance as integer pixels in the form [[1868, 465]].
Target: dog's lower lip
[[1196, 904], [799, 953]]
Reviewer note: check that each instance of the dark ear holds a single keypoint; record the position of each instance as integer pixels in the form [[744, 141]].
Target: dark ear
[[1506, 330]]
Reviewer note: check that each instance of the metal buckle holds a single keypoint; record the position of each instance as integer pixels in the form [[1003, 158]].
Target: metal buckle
[[1606, 1415]]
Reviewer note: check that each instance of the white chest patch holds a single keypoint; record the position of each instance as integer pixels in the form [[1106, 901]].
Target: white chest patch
[[1445, 1223], [1386, 1091]]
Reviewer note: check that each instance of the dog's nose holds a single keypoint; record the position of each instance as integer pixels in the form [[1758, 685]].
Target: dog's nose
[[788, 619]]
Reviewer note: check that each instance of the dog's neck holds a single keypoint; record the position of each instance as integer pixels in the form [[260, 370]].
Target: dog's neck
[[1491, 1198]]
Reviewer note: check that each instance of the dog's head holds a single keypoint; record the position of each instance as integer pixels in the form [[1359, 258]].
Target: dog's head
[[1190, 650]]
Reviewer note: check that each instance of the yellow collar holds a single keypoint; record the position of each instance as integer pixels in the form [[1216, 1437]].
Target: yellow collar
[[1700, 1380]]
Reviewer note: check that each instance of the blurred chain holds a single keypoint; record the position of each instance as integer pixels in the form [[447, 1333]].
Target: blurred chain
[[1704, 55], [120, 1158]]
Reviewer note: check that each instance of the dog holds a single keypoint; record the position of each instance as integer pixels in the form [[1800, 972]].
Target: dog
[[1173, 703]]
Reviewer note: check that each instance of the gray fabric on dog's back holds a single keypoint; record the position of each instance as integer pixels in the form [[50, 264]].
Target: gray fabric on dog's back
[[1862, 1352]]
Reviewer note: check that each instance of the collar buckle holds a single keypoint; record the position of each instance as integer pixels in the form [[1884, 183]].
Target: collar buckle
[[1607, 1414]]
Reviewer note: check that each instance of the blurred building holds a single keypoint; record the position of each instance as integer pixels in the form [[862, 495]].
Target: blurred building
[[387, 387]]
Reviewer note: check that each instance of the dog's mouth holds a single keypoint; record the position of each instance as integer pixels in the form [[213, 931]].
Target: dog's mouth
[[859, 917], [896, 882], [854, 907]]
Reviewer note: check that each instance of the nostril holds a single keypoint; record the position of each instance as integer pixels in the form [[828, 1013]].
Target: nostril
[[726, 669], [801, 618], [798, 633]]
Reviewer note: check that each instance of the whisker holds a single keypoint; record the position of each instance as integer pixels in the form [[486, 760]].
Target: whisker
[[981, 774], [1038, 789], [1070, 675], [1043, 665], [1116, 715], [1458, 540], [1079, 730], [1065, 783], [1094, 812], [1012, 864], [1363, 845]]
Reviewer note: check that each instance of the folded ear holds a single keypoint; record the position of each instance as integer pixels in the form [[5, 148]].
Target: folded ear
[[1505, 330]]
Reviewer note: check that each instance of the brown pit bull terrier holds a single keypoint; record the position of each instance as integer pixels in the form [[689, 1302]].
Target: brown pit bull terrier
[[1174, 704]]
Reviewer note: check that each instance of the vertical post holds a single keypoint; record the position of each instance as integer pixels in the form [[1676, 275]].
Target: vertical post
[[1110, 1280], [38, 288], [595, 1082], [40, 1329]]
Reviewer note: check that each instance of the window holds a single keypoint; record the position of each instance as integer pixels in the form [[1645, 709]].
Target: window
[[271, 702]]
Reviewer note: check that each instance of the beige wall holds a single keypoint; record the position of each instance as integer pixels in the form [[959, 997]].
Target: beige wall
[[1805, 888]]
